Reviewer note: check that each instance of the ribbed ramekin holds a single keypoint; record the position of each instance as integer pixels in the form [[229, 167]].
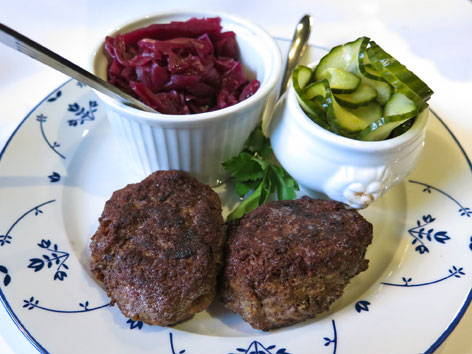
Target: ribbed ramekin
[[196, 143]]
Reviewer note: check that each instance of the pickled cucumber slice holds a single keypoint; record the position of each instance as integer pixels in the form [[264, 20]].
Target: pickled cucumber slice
[[400, 106], [312, 107], [369, 113], [301, 76], [340, 81], [340, 119], [346, 57], [398, 110], [402, 79], [365, 66], [360, 97], [359, 91]]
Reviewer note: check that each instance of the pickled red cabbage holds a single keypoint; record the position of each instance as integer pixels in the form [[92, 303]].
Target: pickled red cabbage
[[179, 67]]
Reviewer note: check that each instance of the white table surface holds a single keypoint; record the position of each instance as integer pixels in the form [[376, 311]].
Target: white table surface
[[432, 37]]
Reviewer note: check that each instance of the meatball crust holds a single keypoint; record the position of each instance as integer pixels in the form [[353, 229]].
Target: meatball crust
[[158, 248], [289, 261]]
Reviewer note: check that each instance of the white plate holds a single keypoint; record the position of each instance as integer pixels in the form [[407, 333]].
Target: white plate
[[62, 164]]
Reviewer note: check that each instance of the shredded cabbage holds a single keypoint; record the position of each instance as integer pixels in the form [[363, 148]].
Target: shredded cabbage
[[179, 67]]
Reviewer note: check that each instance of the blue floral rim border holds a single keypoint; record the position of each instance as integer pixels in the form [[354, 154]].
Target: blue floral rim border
[[5, 302], [41, 349], [468, 300]]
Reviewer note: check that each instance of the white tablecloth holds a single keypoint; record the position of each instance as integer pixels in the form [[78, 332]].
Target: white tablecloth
[[432, 37]]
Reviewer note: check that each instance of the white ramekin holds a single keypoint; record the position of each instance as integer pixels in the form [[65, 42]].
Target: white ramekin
[[350, 171], [196, 143]]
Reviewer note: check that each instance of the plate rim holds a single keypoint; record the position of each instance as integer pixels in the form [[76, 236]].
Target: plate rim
[[37, 345], [450, 328], [4, 300]]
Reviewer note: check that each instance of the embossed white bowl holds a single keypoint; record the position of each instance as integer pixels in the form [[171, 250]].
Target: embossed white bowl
[[350, 171], [196, 143]]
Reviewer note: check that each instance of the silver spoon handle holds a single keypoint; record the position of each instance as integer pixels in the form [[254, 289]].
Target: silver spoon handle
[[297, 47], [36, 51]]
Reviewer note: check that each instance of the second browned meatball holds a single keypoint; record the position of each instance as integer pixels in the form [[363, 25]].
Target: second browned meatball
[[158, 248], [289, 261]]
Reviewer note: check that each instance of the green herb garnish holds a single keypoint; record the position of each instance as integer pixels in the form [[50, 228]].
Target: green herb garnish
[[255, 169]]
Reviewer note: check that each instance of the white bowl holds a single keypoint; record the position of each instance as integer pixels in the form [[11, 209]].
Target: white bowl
[[196, 143], [350, 171]]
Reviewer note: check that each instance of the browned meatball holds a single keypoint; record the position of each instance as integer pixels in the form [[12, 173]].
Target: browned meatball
[[158, 248], [289, 261]]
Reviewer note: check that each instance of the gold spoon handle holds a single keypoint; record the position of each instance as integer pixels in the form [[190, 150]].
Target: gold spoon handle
[[297, 47]]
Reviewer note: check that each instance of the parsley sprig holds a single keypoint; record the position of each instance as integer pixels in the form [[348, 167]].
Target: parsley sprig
[[255, 169]]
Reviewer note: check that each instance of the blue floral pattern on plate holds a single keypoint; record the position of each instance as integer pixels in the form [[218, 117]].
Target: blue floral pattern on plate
[[54, 259], [428, 188], [257, 347], [421, 233], [41, 118], [362, 305], [334, 340], [7, 237], [83, 114], [6, 276], [453, 272], [33, 303]]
